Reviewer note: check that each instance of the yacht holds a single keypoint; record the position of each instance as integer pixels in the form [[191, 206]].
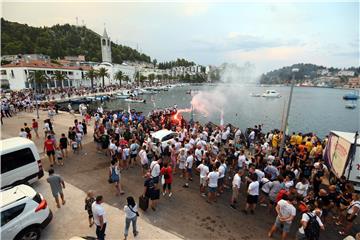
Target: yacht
[[271, 94]]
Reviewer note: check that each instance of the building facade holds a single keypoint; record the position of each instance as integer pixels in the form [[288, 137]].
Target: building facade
[[105, 47]]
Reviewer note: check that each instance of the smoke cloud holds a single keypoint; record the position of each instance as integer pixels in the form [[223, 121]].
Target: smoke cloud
[[217, 100]]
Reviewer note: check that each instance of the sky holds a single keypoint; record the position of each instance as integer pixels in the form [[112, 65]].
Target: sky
[[266, 34]]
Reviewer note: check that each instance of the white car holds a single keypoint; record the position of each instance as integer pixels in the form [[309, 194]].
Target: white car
[[164, 136], [24, 213]]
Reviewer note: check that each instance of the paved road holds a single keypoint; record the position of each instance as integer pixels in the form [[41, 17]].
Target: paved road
[[186, 213]]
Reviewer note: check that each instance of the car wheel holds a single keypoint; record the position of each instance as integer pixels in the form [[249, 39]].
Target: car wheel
[[29, 234]]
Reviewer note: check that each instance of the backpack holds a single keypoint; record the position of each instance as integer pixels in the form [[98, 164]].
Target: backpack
[[114, 176], [312, 230]]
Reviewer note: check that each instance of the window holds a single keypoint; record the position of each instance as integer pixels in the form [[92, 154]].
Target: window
[[168, 137], [103, 42], [3, 72], [71, 73], [10, 214], [108, 42], [13, 160]]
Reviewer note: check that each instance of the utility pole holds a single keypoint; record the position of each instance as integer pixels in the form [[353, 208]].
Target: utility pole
[[36, 101], [282, 145]]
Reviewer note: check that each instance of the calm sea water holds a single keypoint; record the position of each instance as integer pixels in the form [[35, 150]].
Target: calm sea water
[[316, 110]]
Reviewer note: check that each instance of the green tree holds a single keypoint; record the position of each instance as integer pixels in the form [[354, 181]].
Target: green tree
[[119, 76], [91, 75], [59, 77], [142, 79], [38, 79], [151, 78], [103, 73], [126, 79], [159, 78]]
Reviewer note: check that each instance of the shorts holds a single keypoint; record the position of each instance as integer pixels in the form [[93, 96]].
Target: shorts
[[52, 152], [266, 194], [212, 189], [235, 192], [286, 225], [203, 181], [220, 181], [56, 194], [155, 179], [133, 155], [252, 199], [189, 170], [63, 146]]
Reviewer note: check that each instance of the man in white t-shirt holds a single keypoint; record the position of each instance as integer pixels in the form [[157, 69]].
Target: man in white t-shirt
[[252, 195], [143, 158], [286, 213], [188, 168], [241, 160], [236, 183], [99, 217], [212, 178], [305, 220], [204, 170], [155, 171], [266, 185]]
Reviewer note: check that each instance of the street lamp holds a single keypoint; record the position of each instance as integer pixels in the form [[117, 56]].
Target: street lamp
[[294, 70]]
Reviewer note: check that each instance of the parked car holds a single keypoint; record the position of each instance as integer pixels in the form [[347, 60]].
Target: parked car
[[164, 136], [24, 213], [20, 162]]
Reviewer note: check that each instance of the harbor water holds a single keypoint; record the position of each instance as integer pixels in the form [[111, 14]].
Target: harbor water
[[317, 110]]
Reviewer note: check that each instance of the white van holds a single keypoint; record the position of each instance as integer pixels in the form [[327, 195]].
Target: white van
[[20, 162]]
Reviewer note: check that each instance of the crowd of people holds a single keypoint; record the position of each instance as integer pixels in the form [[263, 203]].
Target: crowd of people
[[297, 182]]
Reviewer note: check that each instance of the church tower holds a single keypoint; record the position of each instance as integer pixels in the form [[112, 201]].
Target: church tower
[[105, 47]]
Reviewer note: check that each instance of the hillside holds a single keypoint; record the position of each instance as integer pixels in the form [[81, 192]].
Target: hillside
[[59, 41], [306, 72]]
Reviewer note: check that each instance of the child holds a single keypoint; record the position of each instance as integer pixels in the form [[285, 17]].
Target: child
[[74, 147], [88, 202], [59, 156]]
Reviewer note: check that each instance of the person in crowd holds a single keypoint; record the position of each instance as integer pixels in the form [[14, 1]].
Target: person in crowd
[[166, 172], [252, 194], [114, 177], [131, 215], [150, 191], [236, 183], [56, 184], [35, 127], [49, 148], [286, 213], [203, 169], [89, 200], [99, 215]]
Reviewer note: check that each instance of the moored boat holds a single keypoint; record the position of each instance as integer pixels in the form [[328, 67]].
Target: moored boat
[[271, 94]]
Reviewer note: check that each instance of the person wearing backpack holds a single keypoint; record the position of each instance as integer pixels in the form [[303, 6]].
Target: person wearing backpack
[[89, 200], [310, 225], [114, 176]]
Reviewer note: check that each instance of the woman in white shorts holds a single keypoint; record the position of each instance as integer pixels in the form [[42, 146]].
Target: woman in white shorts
[[181, 160]]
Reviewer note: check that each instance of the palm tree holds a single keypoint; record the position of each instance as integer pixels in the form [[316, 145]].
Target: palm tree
[[142, 79], [159, 77], [38, 78], [151, 78], [102, 72], [126, 78], [137, 77], [119, 76], [59, 77], [91, 74]]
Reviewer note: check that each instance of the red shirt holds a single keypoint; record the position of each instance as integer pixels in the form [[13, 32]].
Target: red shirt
[[49, 145], [35, 125], [167, 170], [281, 193]]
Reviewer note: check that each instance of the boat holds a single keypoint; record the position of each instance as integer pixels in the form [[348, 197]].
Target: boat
[[120, 96], [98, 98], [255, 95], [271, 94], [351, 96], [146, 91], [350, 105], [135, 100]]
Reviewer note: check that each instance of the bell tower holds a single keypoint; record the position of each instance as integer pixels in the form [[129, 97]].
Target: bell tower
[[105, 47]]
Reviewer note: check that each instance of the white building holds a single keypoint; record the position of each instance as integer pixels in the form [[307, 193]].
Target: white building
[[113, 68], [18, 74], [346, 73]]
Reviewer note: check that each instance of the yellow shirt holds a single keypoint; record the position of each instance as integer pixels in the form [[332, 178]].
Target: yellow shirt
[[275, 140], [309, 146], [298, 139], [293, 140]]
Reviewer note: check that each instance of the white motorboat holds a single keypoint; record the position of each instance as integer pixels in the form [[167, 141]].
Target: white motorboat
[[135, 100], [146, 91], [271, 94], [351, 105]]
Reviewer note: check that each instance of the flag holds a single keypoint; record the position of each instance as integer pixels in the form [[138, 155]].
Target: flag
[[129, 111]]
